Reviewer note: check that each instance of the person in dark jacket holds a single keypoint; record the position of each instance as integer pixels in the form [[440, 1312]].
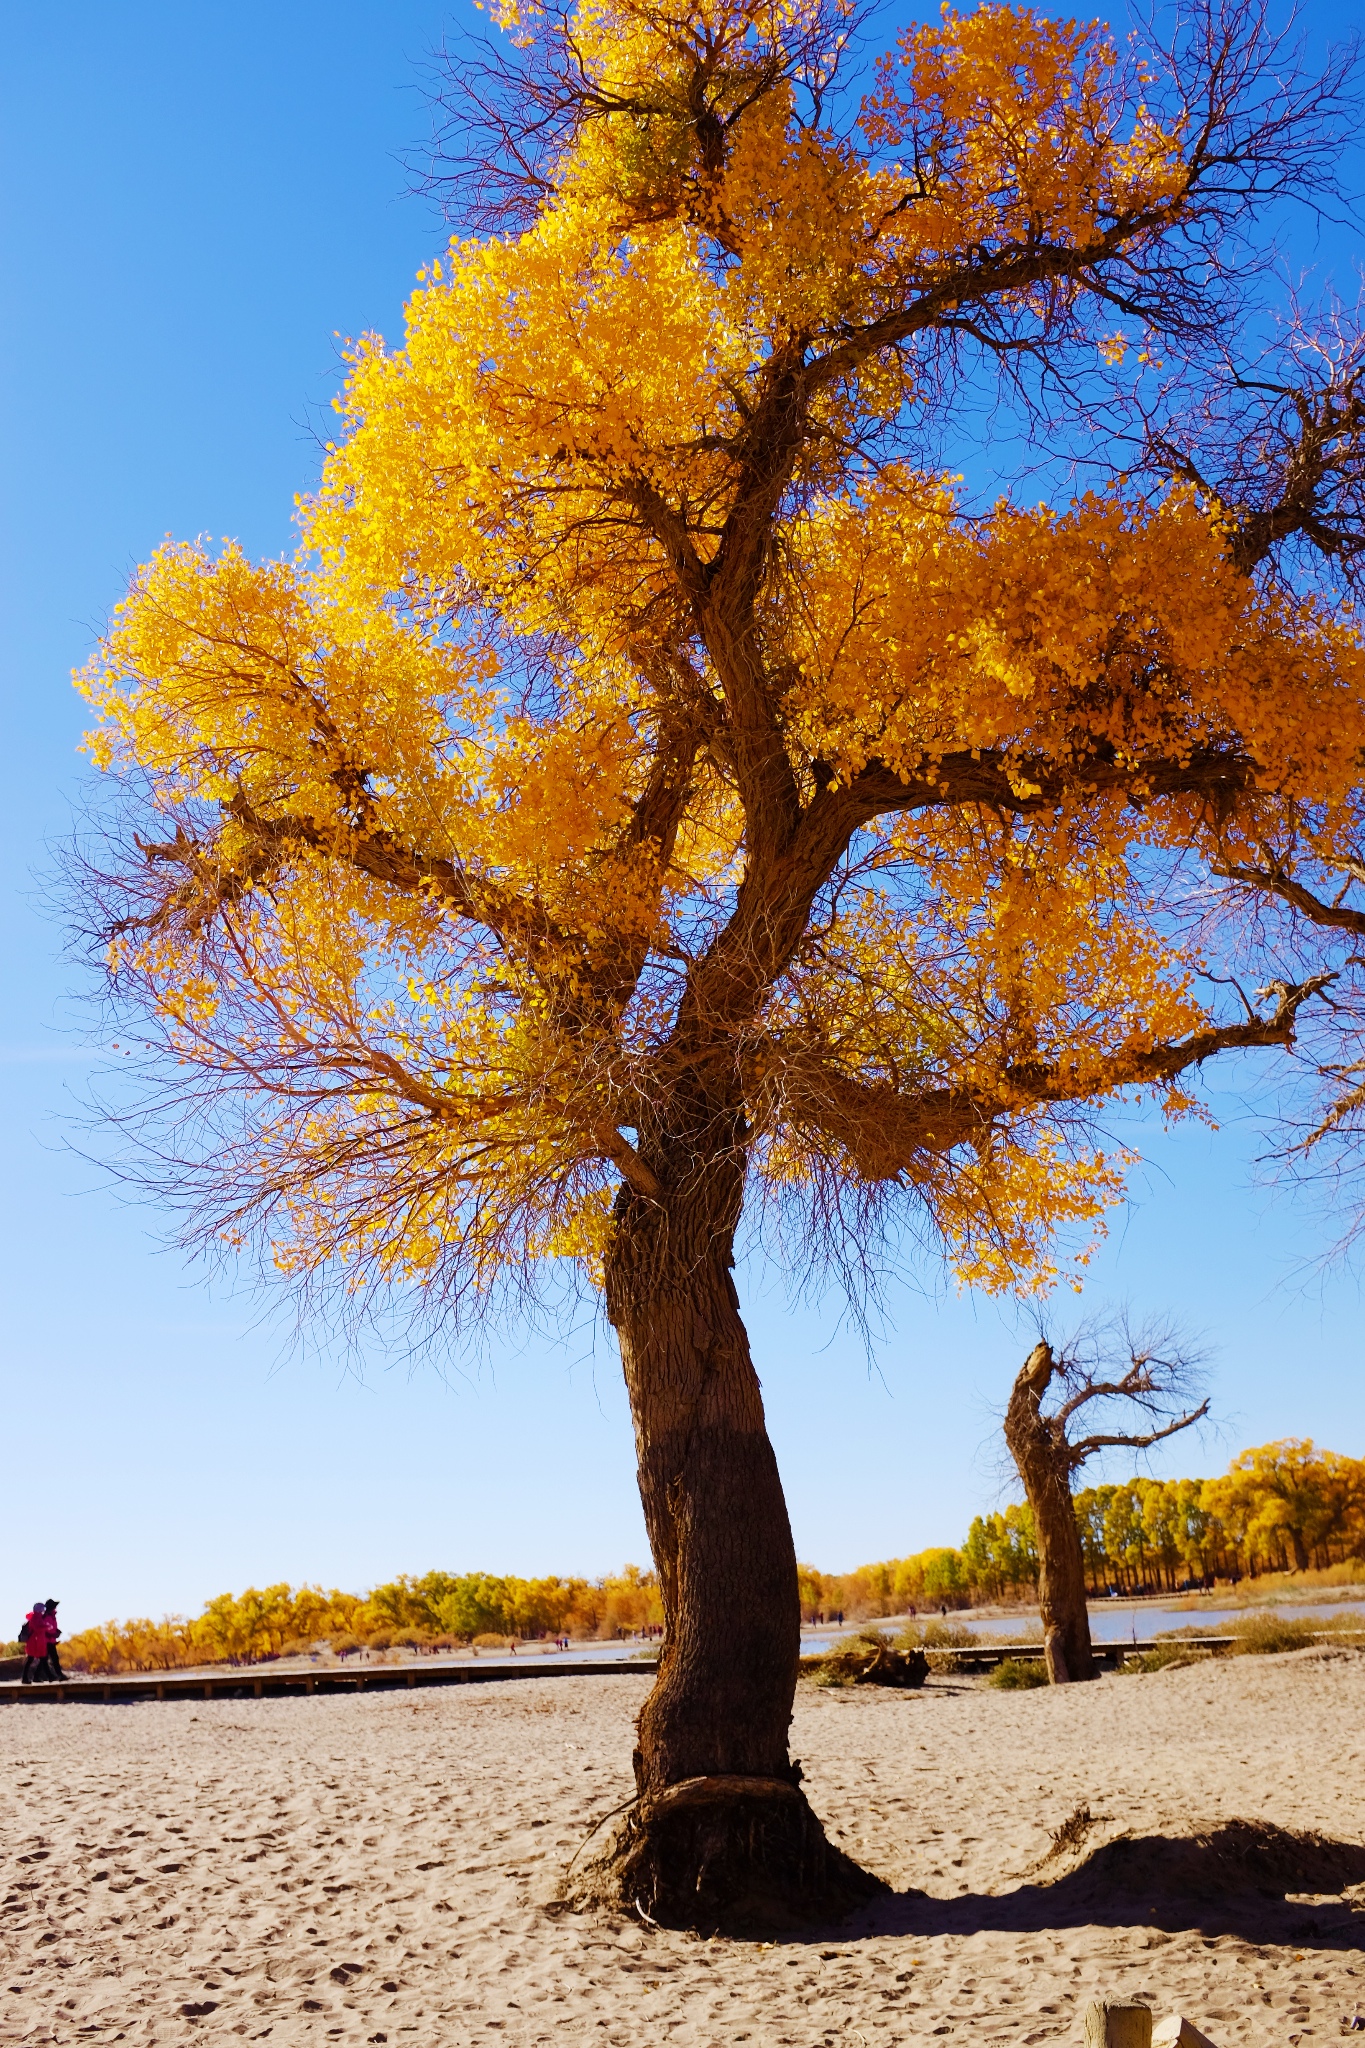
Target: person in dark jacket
[[53, 1663]]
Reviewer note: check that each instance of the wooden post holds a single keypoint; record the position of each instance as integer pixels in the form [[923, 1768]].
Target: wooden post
[[1111, 2024]]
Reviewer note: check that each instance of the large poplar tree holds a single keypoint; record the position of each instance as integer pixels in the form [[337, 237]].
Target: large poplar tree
[[652, 794]]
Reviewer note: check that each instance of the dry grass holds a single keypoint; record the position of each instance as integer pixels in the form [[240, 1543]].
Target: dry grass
[[1270, 1635], [1071, 1835], [946, 1636], [1167, 1656], [936, 1635]]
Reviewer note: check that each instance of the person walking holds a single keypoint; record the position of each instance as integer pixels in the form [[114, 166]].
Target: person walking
[[33, 1636], [53, 1631]]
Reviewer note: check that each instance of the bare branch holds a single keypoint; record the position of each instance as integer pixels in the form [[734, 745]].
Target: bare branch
[[1086, 1446]]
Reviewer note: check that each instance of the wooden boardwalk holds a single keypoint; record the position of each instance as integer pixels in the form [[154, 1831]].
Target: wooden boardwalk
[[258, 1681], [1107, 1656]]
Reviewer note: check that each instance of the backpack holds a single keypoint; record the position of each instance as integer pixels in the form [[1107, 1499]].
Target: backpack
[[22, 1636]]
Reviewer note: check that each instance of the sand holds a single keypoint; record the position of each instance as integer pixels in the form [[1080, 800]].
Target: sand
[[382, 1868]]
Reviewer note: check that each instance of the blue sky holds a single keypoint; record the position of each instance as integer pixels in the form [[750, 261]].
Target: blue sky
[[201, 199]]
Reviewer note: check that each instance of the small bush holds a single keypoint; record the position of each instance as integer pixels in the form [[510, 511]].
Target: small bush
[[380, 1640], [346, 1646], [489, 1642], [1268, 1635], [1018, 1674]]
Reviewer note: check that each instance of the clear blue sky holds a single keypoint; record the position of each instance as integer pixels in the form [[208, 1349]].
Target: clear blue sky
[[199, 198]]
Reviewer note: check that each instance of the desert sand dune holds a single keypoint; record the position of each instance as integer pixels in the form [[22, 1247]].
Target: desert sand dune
[[383, 1869]]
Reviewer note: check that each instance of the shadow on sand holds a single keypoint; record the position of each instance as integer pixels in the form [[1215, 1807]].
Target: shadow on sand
[[1239, 1878]]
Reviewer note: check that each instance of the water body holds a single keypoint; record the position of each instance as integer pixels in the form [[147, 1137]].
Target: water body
[[1116, 1621], [542, 1653]]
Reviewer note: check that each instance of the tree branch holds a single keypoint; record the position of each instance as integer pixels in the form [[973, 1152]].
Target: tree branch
[[1078, 1452], [885, 1132], [1277, 881], [629, 1164]]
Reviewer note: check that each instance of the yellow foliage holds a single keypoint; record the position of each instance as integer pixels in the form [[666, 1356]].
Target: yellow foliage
[[630, 712], [244, 1628]]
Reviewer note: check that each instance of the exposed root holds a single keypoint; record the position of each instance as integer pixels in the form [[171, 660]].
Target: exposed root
[[733, 1852]]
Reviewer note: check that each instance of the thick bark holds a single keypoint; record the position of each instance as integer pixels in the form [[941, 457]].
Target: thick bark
[[1038, 1445], [720, 1830], [713, 1504]]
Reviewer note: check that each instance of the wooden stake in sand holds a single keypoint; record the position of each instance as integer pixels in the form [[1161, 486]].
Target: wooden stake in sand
[[1110, 2024]]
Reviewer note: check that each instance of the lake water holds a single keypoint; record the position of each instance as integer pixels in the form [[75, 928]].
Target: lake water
[[1119, 1621]]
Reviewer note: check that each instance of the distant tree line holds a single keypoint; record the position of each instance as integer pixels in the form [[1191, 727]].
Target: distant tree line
[[438, 1610], [1281, 1507]]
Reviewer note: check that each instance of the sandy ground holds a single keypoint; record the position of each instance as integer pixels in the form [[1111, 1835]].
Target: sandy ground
[[378, 1869]]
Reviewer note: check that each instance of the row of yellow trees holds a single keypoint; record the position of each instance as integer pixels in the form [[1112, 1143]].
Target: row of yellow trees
[[1285, 1506], [242, 1628]]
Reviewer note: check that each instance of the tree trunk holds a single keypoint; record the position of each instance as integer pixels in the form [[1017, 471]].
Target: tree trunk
[[1040, 1451], [720, 1831]]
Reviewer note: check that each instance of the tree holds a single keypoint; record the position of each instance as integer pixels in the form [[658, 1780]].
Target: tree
[[650, 787], [1151, 1372], [1287, 1500], [1001, 1551]]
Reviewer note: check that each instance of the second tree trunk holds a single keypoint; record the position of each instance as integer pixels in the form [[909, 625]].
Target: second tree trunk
[[1038, 1445]]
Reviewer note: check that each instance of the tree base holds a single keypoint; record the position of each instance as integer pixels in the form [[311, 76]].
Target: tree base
[[744, 1854]]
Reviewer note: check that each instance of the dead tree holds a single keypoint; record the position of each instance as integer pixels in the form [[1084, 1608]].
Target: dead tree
[[1152, 1372]]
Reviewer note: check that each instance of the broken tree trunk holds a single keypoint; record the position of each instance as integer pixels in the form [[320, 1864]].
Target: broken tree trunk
[[1038, 1445]]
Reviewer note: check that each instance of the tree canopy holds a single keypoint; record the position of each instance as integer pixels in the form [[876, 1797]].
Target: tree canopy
[[645, 719]]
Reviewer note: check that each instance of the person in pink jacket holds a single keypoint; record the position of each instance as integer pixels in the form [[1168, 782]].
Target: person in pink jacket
[[35, 1642]]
